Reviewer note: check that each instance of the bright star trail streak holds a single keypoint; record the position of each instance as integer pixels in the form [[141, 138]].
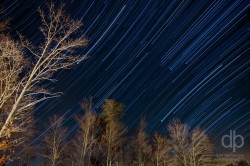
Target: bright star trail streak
[[163, 59]]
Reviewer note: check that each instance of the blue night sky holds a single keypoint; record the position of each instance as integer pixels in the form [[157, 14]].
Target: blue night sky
[[163, 59]]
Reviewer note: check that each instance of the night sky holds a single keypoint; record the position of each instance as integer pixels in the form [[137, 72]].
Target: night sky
[[163, 59]]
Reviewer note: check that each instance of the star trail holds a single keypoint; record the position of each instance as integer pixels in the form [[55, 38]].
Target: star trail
[[163, 59]]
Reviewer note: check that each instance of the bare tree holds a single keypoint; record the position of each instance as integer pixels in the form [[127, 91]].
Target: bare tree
[[85, 138], [160, 150], [179, 140], [111, 142], [200, 149], [54, 141], [141, 146], [190, 148], [56, 53], [11, 65], [113, 131]]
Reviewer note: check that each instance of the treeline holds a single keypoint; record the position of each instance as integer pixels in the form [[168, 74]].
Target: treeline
[[102, 139]]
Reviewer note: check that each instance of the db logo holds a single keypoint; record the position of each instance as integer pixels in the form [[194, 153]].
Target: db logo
[[232, 140]]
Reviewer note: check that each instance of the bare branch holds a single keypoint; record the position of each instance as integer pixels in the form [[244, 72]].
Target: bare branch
[[56, 53]]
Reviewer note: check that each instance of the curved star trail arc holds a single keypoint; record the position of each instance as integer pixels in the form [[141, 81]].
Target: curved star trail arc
[[163, 59]]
